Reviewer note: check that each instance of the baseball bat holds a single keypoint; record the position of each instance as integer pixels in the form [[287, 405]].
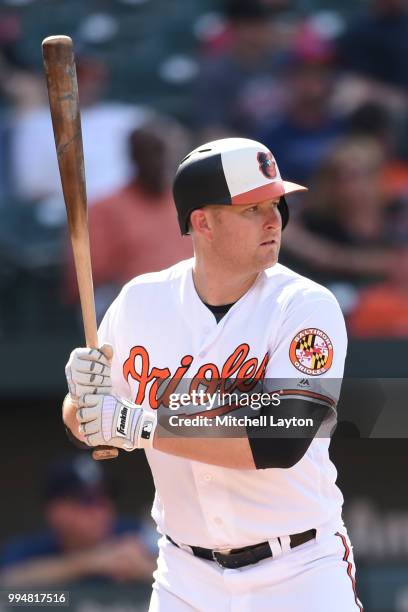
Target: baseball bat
[[59, 65]]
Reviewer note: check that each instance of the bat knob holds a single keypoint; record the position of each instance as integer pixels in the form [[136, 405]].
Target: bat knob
[[105, 452], [58, 39]]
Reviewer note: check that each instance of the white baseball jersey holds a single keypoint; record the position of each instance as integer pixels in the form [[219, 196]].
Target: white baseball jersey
[[284, 327]]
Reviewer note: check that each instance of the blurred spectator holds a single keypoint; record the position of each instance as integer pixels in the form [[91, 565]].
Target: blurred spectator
[[303, 134], [350, 229], [12, 71], [83, 541], [135, 230], [236, 89], [375, 120], [105, 126], [216, 31], [375, 45], [382, 310], [11, 32]]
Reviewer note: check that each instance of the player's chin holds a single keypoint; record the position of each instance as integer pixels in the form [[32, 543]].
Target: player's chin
[[268, 253]]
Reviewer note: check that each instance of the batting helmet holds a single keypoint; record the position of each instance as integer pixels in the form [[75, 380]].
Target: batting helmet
[[231, 171]]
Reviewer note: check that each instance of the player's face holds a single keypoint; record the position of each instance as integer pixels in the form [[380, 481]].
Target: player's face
[[248, 237]]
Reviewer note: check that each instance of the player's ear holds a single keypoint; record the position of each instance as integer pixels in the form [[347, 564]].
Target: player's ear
[[200, 223]]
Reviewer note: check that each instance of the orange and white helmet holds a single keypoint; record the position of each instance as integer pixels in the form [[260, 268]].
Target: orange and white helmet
[[230, 171]]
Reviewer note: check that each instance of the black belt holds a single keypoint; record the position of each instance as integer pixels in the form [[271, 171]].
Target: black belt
[[240, 557]]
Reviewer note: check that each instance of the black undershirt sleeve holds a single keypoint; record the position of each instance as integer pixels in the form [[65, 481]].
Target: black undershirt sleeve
[[276, 445]]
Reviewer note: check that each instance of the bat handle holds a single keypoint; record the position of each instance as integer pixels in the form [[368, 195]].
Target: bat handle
[[100, 453]]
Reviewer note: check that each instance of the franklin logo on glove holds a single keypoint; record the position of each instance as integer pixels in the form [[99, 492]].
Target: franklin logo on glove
[[122, 427]]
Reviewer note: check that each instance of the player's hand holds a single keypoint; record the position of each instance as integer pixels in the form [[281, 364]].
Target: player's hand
[[107, 419], [88, 371]]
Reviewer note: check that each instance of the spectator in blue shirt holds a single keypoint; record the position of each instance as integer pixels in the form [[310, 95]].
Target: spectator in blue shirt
[[304, 133], [84, 541]]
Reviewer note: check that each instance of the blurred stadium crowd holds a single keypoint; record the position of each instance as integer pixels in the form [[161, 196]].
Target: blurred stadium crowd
[[325, 86]]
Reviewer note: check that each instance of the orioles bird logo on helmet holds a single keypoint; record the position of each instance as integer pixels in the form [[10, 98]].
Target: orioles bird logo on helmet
[[267, 164]]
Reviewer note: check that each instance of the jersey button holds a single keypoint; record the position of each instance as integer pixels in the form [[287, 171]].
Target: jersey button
[[207, 477], [201, 354]]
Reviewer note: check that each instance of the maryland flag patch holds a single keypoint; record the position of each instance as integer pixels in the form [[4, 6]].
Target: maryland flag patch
[[311, 352]]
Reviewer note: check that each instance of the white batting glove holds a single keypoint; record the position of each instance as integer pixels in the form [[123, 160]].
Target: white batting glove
[[88, 371], [107, 419]]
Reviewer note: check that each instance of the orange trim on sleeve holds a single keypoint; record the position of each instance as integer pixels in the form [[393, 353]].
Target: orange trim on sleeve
[[312, 394]]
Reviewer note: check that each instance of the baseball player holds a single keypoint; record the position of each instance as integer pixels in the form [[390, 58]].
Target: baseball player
[[249, 521]]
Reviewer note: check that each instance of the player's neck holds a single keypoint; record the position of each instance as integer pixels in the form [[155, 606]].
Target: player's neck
[[217, 288]]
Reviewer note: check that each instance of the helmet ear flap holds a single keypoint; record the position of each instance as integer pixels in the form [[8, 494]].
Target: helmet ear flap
[[284, 211]]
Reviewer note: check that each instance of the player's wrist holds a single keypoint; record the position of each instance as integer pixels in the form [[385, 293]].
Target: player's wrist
[[109, 419], [133, 427], [145, 430]]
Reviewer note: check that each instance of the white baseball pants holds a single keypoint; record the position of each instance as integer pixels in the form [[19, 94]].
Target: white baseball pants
[[314, 577]]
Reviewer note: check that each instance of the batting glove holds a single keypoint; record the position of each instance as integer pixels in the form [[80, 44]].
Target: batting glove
[[88, 371], [107, 419]]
